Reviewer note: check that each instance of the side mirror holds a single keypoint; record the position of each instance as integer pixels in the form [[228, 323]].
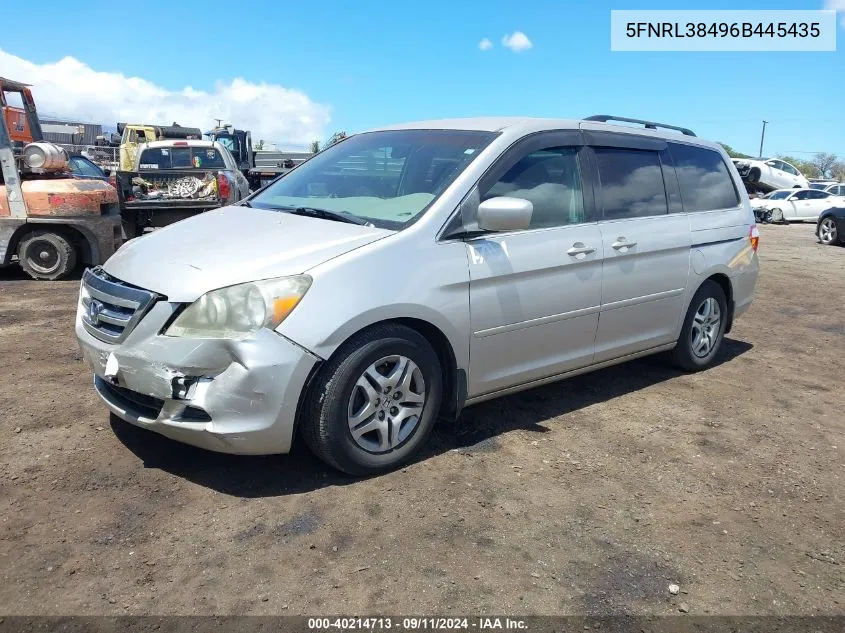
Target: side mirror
[[504, 214]]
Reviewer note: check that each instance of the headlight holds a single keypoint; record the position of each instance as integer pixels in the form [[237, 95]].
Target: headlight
[[238, 311]]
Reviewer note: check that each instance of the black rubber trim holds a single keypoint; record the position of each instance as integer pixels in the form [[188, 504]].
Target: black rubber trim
[[733, 239]]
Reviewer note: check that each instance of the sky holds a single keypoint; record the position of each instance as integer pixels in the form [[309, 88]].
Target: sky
[[296, 72]]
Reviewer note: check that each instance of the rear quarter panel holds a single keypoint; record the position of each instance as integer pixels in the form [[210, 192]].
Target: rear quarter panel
[[721, 245]]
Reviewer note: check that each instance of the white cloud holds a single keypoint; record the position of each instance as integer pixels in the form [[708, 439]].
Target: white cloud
[[836, 5], [485, 44], [71, 89], [517, 42]]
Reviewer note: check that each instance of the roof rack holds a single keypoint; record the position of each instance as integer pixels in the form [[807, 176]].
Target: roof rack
[[651, 125]]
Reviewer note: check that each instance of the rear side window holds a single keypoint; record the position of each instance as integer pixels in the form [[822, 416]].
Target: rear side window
[[631, 183], [706, 184]]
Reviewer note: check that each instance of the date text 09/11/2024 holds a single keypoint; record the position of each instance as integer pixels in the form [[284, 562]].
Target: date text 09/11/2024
[[417, 623], [722, 29]]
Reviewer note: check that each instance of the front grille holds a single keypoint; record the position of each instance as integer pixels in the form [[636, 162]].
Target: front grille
[[112, 308], [138, 403]]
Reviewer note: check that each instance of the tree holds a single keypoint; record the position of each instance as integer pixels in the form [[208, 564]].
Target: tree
[[732, 152], [315, 147], [260, 144], [838, 171], [824, 163]]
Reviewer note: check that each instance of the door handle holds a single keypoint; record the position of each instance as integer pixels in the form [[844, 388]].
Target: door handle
[[578, 248], [621, 244]]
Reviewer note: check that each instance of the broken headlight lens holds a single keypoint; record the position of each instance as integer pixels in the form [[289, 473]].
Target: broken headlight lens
[[238, 311]]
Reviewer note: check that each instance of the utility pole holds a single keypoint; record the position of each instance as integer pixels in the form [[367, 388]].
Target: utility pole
[[219, 122], [762, 136]]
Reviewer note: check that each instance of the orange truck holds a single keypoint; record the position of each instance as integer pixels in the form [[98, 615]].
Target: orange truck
[[50, 221]]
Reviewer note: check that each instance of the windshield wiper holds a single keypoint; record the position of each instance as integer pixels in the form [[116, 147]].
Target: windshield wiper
[[326, 214]]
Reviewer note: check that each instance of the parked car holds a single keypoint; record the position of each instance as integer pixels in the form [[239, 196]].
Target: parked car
[[769, 174], [836, 189], [830, 229], [404, 273], [82, 167], [822, 183], [794, 205], [176, 179]]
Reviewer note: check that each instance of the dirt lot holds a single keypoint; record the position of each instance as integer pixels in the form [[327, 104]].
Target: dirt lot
[[589, 496]]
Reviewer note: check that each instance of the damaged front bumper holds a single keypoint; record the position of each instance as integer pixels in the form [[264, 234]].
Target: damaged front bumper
[[231, 396]]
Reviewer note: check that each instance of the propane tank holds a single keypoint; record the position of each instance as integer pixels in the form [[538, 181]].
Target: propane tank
[[45, 156]]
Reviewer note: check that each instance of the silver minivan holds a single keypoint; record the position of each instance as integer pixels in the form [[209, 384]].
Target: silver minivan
[[405, 273]]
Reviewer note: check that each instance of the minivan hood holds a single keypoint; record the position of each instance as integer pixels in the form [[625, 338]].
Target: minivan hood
[[232, 245]]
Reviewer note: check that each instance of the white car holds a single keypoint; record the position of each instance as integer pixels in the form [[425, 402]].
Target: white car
[[794, 205], [835, 189], [769, 174]]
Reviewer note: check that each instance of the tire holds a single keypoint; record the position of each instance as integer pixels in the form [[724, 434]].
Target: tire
[[777, 216], [754, 175], [46, 255], [340, 389], [129, 225], [685, 354], [827, 231]]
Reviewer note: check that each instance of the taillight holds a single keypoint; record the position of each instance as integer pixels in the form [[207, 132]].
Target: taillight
[[224, 189], [754, 237]]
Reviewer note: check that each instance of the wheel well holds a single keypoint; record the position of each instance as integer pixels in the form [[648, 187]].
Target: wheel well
[[76, 237], [453, 393], [725, 283], [454, 380]]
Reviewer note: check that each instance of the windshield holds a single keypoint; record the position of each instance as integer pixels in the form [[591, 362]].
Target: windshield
[[229, 142], [181, 158], [818, 185], [387, 178], [778, 195]]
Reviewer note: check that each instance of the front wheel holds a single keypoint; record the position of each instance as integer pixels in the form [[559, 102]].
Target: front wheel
[[373, 406], [47, 255], [704, 328], [828, 234]]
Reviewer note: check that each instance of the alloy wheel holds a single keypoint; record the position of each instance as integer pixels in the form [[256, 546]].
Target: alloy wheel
[[386, 404], [706, 325]]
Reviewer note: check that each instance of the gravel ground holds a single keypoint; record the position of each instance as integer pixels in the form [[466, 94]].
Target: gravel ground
[[590, 496]]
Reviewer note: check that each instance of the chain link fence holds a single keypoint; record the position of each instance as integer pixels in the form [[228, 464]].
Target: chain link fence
[[108, 158]]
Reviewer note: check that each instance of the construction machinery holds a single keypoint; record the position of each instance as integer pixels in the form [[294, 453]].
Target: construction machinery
[[49, 220]]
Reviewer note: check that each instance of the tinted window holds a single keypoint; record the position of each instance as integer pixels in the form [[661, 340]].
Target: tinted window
[[817, 185], [631, 183], [181, 158], [802, 195], [705, 181], [85, 167], [551, 180], [817, 195], [789, 169]]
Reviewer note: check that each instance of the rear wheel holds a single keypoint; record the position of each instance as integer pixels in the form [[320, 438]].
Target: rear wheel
[[704, 328], [754, 175], [827, 232], [47, 255], [374, 405]]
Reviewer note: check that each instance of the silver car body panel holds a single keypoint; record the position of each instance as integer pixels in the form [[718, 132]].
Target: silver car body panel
[[516, 308], [232, 245]]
